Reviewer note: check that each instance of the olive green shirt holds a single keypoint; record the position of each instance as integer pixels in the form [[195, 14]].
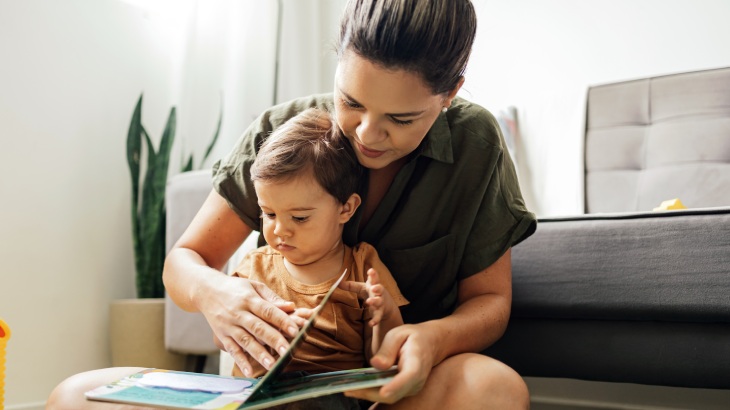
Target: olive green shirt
[[450, 212]]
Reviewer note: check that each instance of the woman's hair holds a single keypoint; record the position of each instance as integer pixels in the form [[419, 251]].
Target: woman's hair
[[310, 141], [432, 38]]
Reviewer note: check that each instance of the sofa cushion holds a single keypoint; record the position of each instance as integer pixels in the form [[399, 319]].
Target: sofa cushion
[[623, 297], [663, 266], [658, 138]]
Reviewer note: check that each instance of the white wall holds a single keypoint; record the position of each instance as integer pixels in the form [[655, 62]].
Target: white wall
[[541, 56], [71, 71], [70, 74]]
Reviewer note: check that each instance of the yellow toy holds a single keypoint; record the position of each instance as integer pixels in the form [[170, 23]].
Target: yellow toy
[[672, 204], [4, 336]]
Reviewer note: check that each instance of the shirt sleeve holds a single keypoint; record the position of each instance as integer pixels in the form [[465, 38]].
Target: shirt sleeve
[[243, 270], [502, 219]]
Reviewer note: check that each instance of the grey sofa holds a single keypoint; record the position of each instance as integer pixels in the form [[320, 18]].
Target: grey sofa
[[619, 294], [624, 294]]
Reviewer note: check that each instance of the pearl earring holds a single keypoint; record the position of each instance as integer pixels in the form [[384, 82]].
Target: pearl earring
[[444, 109]]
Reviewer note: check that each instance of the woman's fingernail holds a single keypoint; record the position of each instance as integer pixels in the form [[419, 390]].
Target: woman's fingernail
[[267, 363], [292, 330], [282, 350], [247, 372]]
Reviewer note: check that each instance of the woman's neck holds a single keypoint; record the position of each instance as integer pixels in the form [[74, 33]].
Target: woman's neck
[[379, 181]]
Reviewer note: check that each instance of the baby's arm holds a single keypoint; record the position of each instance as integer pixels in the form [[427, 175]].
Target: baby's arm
[[383, 309]]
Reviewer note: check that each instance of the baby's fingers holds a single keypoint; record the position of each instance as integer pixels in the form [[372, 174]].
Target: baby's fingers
[[361, 289], [376, 291], [375, 305], [373, 277]]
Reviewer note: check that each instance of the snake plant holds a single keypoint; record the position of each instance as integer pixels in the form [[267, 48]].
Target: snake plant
[[148, 198]]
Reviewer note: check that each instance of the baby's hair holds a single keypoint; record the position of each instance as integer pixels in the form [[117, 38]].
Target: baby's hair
[[310, 141]]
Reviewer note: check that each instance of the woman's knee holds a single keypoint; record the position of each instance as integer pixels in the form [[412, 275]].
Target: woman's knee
[[489, 382], [69, 394]]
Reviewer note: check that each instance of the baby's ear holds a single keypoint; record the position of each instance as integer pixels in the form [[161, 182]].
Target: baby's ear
[[349, 208]]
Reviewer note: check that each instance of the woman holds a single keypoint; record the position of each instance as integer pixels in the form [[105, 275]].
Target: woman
[[441, 204]]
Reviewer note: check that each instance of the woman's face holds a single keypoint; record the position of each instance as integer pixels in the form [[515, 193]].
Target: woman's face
[[384, 113]]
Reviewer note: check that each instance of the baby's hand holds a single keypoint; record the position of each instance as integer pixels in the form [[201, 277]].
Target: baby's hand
[[301, 315], [377, 298]]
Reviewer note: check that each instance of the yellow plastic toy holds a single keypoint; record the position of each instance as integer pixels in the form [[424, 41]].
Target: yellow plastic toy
[[4, 336], [671, 204]]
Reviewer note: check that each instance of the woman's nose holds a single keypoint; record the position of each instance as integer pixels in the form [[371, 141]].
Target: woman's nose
[[369, 131]]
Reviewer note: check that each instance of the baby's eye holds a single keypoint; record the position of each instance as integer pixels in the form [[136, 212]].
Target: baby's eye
[[300, 218], [268, 215]]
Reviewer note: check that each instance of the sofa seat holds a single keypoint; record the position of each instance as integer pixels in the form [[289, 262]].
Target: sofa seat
[[625, 297]]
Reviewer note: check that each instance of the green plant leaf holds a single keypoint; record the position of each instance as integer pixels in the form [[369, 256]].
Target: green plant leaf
[[148, 197], [215, 135], [134, 154], [152, 215], [188, 165]]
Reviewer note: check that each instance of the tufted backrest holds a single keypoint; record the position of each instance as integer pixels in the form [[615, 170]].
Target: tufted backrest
[[656, 139]]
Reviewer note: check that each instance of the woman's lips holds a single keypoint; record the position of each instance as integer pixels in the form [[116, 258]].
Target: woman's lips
[[369, 152]]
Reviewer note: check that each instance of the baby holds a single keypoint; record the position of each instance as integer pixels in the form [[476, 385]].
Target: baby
[[306, 177]]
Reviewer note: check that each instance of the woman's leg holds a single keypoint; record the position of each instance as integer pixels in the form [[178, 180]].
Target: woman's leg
[[69, 395], [469, 381]]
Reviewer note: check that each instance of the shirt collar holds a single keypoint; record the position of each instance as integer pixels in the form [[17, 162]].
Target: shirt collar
[[437, 143]]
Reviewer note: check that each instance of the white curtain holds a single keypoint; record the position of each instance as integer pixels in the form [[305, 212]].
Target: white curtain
[[224, 53]]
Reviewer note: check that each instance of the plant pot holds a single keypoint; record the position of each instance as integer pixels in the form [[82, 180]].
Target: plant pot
[[137, 335]]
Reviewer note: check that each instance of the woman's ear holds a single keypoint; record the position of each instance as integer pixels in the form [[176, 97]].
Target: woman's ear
[[349, 208], [452, 94]]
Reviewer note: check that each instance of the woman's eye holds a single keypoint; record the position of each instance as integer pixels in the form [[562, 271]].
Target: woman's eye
[[351, 104], [300, 218], [401, 122]]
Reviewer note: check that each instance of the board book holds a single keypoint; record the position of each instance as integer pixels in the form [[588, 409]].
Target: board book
[[186, 390]]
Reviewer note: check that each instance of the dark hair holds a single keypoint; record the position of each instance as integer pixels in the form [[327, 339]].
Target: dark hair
[[310, 140], [432, 38]]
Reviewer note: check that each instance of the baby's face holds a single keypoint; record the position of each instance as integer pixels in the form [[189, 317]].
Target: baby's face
[[300, 219]]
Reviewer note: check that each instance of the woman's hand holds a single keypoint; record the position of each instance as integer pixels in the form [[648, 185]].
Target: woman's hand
[[246, 316], [482, 313], [412, 348]]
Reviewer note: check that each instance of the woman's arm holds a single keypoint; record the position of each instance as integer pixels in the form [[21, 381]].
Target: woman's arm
[[484, 304], [238, 311], [479, 320]]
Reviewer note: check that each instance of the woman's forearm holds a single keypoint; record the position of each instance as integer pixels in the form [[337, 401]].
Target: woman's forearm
[[474, 326], [186, 276], [485, 300], [192, 268]]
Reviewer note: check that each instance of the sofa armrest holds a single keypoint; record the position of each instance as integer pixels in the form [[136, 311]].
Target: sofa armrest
[[186, 332]]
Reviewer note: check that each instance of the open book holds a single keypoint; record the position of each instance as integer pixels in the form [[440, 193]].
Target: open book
[[185, 390]]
